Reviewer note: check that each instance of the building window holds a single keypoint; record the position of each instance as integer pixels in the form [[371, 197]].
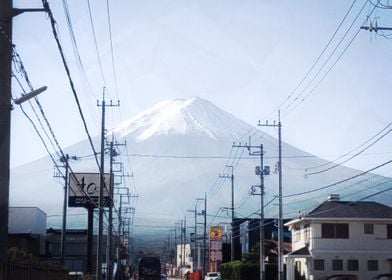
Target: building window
[[337, 265], [352, 265], [368, 228], [389, 231], [372, 265], [318, 264], [334, 231]]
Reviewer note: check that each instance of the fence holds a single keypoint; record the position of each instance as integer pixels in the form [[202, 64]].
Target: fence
[[15, 270]]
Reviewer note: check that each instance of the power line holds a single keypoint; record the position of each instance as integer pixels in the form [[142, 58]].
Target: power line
[[95, 42], [339, 182], [54, 31], [323, 66], [351, 157], [314, 64]]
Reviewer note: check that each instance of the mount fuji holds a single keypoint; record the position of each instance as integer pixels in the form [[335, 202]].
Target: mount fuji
[[176, 151]]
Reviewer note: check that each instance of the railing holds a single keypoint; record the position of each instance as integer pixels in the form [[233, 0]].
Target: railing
[[15, 270]]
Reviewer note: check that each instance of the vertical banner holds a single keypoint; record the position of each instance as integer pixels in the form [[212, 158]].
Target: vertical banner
[[216, 240]]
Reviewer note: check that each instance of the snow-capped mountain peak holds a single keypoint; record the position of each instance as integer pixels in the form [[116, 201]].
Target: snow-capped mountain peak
[[193, 116]]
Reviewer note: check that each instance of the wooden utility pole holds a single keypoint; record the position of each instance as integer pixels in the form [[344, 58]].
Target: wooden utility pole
[[6, 8]]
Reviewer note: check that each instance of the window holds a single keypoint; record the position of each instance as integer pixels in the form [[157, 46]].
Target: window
[[337, 265], [318, 264], [389, 231], [352, 265], [372, 265], [368, 228], [334, 231]]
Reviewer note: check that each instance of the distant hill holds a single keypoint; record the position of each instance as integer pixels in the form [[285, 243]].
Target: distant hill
[[177, 150]]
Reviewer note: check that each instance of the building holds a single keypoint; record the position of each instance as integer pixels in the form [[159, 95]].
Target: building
[[341, 237], [247, 234], [27, 229]]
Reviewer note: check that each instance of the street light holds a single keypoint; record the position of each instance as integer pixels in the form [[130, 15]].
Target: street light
[[29, 95]]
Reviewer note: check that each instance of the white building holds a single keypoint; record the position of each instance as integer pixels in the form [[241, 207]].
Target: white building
[[341, 237], [184, 258]]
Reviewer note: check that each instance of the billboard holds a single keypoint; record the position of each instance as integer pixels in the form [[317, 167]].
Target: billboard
[[84, 190], [216, 240]]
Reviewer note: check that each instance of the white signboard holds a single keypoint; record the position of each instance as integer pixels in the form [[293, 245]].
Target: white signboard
[[84, 190]]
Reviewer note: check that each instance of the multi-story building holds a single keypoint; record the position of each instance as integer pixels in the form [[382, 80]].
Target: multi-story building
[[352, 237]]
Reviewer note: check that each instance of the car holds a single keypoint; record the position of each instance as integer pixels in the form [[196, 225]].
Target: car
[[385, 276], [163, 277], [340, 277], [211, 276]]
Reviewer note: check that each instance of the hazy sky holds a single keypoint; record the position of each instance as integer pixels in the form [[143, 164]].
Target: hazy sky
[[246, 57]]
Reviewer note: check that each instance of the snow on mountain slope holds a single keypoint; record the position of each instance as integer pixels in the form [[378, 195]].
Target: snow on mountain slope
[[193, 116], [177, 149]]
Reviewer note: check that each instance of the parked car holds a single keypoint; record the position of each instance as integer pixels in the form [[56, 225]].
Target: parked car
[[340, 277], [385, 276], [163, 277], [211, 276]]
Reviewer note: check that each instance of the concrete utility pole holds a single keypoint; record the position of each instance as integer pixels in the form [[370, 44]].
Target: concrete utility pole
[[5, 120], [65, 160], [197, 246], [194, 236], [260, 171], [232, 209], [205, 233], [102, 185], [6, 13], [109, 245], [280, 221]]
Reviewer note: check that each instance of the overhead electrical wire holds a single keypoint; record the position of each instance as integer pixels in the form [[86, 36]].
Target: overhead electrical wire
[[284, 111], [341, 181], [96, 43], [351, 151], [80, 64], [351, 157], [314, 64]]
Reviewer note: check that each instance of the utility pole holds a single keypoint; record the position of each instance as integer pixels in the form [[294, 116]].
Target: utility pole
[[6, 9], [280, 220], [260, 171], [205, 233], [232, 209], [194, 236], [184, 244], [110, 229], [109, 245], [375, 27], [64, 159], [175, 246], [197, 246], [102, 185], [64, 226], [6, 13]]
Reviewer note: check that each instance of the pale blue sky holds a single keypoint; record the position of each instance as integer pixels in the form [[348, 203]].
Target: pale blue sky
[[244, 56]]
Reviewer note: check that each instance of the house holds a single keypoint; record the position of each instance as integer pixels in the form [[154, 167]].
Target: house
[[341, 237]]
